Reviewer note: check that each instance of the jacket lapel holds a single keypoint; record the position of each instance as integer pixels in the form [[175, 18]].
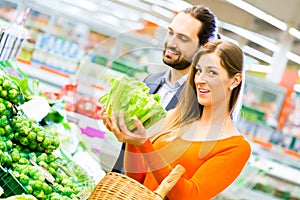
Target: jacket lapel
[[154, 86], [174, 99]]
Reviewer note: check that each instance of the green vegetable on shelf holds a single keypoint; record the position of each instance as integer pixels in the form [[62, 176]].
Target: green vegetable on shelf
[[9, 89], [21, 197], [133, 98]]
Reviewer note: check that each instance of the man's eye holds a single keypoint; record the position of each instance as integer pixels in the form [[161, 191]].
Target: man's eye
[[183, 38], [170, 32]]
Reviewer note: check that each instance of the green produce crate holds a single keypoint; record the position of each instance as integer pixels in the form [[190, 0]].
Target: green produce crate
[[10, 185]]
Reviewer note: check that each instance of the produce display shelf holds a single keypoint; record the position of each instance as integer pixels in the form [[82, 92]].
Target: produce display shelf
[[36, 71], [10, 185]]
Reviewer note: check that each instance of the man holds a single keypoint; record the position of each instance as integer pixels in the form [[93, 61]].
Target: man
[[188, 30]]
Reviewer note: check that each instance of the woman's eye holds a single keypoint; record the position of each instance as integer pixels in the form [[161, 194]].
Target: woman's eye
[[211, 72], [198, 70]]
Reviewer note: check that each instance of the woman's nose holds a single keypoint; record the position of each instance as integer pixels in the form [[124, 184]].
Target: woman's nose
[[200, 78]]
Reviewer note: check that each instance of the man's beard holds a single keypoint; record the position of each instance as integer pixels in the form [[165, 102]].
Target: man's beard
[[181, 63]]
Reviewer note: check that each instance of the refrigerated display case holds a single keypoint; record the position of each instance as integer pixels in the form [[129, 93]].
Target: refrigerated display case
[[263, 96]]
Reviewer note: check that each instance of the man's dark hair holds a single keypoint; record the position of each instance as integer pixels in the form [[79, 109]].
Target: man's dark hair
[[207, 19]]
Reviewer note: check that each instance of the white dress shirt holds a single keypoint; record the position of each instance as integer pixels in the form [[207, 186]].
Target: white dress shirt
[[167, 90]]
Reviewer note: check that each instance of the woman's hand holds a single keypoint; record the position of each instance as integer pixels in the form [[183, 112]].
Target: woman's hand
[[104, 117], [120, 130]]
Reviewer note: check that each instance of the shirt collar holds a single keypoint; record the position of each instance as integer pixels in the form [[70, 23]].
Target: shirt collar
[[178, 83]]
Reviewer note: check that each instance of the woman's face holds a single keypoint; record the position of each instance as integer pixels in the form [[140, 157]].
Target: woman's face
[[212, 81]]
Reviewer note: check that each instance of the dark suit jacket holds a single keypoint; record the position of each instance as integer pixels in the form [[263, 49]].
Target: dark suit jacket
[[154, 82]]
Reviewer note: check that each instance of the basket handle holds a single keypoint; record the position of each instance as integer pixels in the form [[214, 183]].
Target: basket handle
[[168, 183]]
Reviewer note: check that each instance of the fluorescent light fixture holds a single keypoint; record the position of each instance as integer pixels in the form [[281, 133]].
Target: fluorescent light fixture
[[132, 16], [293, 57], [294, 32], [110, 19], [259, 14], [88, 5], [297, 87], [254, 37], [174, 5], [258, 54], [162, 11], [260, 68], [120, 11], [72, 9], [136, 3], [180, 5], [155, 20], [224, 37], [134, 25]]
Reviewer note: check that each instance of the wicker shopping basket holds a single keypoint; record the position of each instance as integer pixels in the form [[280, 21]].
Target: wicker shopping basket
[[115, 186]]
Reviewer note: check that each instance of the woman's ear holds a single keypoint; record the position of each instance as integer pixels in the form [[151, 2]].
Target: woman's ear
[[236, 80]]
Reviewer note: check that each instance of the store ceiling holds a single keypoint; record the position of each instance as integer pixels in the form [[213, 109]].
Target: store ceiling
[[124, 15], [286, 11]]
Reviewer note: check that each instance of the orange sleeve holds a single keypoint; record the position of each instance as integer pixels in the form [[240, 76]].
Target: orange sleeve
[[134, 164], [211, 178]]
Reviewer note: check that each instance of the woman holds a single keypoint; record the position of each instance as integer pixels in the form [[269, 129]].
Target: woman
[[199, 133]]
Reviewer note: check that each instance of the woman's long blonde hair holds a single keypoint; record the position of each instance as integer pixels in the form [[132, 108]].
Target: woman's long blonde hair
[[188, 109]]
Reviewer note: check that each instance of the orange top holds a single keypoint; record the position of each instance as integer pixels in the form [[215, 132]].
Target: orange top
[[211, 166]]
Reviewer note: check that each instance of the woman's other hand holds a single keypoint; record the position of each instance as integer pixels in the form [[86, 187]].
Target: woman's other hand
[[105, 119]]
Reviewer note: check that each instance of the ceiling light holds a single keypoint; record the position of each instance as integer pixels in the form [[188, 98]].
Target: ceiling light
[[174, 5], [294, 32], [293, 57], [258, 54], [136, 4], [179, 4], [260, 68], [109, 19], [259, 14], [162, 11], [88, 5], [254, 37], [155, 20], [223, 37], [134, 25]]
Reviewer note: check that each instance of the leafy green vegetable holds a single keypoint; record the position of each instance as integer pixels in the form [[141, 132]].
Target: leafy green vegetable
[[132, 96]]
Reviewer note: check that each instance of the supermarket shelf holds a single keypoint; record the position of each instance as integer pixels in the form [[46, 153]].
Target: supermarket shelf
[[245, 194], [276, 163], [277, 154], [36, 71]]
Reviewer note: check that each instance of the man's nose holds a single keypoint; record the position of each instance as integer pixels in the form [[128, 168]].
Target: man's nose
[[173, 41]]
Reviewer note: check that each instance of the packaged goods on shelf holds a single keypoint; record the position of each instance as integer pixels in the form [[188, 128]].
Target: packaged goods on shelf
[[57, 53]]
